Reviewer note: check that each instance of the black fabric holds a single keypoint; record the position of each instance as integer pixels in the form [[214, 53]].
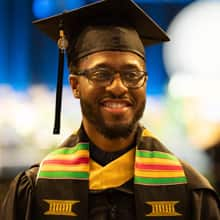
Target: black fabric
[[110, 205], [103, 157], [108, 12], [201, 198], [67, 190], [106, 38], [18, 201], [204, 204]]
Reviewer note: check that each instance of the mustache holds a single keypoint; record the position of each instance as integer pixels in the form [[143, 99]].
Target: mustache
[[113, 96], [117, 97]]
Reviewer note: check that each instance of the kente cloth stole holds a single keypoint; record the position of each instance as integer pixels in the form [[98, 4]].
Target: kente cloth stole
[[67, 174]]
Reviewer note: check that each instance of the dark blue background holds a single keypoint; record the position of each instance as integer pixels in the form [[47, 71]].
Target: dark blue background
[[29, 57]]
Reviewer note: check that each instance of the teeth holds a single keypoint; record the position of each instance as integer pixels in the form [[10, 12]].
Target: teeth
[[114, 105]]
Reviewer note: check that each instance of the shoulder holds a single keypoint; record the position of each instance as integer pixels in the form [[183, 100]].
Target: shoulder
[[197, 183], [195, 179], [76, 137], [25, 180], [151, 143], [205, 199], [202, 191], [17, 202], [74, 142]]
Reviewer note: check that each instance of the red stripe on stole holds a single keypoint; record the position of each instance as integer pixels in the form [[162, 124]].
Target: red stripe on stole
[[142, 166], [76, 161]]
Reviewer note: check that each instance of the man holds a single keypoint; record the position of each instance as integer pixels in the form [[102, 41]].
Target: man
[[112, 168]]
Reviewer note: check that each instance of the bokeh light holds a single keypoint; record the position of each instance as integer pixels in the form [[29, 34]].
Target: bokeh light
[[45, 8], [193, 52], [192, 62]]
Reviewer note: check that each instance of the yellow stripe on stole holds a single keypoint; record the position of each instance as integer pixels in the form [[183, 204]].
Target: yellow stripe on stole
[[146, 133], [52, 167], [113, 174], [160, 161], [159, 174], [80, 153]]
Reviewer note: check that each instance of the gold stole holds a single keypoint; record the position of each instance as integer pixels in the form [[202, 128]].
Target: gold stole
[[113, 174]]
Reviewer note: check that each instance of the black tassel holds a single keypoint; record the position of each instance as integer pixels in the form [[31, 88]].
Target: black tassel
[[59, 92], [62, 44]]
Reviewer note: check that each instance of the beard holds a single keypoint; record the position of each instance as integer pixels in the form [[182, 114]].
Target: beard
[[123, 130]]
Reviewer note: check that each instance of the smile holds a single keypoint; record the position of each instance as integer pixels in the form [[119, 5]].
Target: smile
[[116, 106]]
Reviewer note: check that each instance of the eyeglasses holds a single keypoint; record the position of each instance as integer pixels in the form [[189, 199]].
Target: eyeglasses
[[103, 77]]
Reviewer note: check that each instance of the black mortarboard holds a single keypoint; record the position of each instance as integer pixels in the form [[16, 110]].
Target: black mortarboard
[[86, 31]]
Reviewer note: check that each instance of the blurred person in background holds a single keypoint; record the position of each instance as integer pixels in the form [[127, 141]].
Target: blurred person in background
[[112, 167]]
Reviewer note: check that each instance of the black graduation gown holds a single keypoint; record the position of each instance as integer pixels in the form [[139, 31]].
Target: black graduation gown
[[17, 204], [204, 203]]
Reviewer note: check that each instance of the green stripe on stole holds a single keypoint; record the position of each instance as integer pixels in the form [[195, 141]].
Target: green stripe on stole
[[82, 174], [66, 173], [159, 173]]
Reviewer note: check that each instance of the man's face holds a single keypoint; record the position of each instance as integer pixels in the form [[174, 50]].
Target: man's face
[[112, 110]]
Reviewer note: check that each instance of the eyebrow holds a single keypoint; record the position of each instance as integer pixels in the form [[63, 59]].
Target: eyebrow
[[130, 66], [125, 66]]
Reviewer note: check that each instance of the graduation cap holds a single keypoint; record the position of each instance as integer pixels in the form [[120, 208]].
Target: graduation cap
[[105, 25]]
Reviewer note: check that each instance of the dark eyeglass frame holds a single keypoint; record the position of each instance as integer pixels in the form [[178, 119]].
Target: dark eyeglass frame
[[132, 84]]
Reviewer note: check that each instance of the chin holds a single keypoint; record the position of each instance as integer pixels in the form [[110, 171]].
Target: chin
[[117, 130]]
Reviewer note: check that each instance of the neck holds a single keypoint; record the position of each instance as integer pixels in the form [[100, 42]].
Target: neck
[[104, 143]]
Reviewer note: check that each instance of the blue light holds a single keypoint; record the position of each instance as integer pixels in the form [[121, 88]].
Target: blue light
[[45, 8]]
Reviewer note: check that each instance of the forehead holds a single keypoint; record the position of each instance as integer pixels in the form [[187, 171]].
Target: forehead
[[114, 59]]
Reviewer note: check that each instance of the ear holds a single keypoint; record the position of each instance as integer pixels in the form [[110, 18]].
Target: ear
[[74, 83]]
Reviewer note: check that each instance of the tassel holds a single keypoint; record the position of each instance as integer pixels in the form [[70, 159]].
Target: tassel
[[62, 44]]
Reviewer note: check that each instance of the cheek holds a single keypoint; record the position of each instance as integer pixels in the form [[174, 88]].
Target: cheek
[[88, 91], [143, 91], [84, 86], [140, 94]]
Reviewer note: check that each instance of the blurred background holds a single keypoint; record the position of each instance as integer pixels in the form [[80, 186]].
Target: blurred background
[[183, 105]]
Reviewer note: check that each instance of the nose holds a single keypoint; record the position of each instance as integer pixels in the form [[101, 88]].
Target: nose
[[117, 87]]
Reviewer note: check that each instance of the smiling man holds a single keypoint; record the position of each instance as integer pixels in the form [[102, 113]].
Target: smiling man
[[112, 168], [114, 100]]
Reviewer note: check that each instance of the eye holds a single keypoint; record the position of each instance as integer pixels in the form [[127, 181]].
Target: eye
[[132, 75], [100, 75]]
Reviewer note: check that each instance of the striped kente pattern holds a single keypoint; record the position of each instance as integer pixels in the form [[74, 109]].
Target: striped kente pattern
[[66, 163], [158, 168]]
